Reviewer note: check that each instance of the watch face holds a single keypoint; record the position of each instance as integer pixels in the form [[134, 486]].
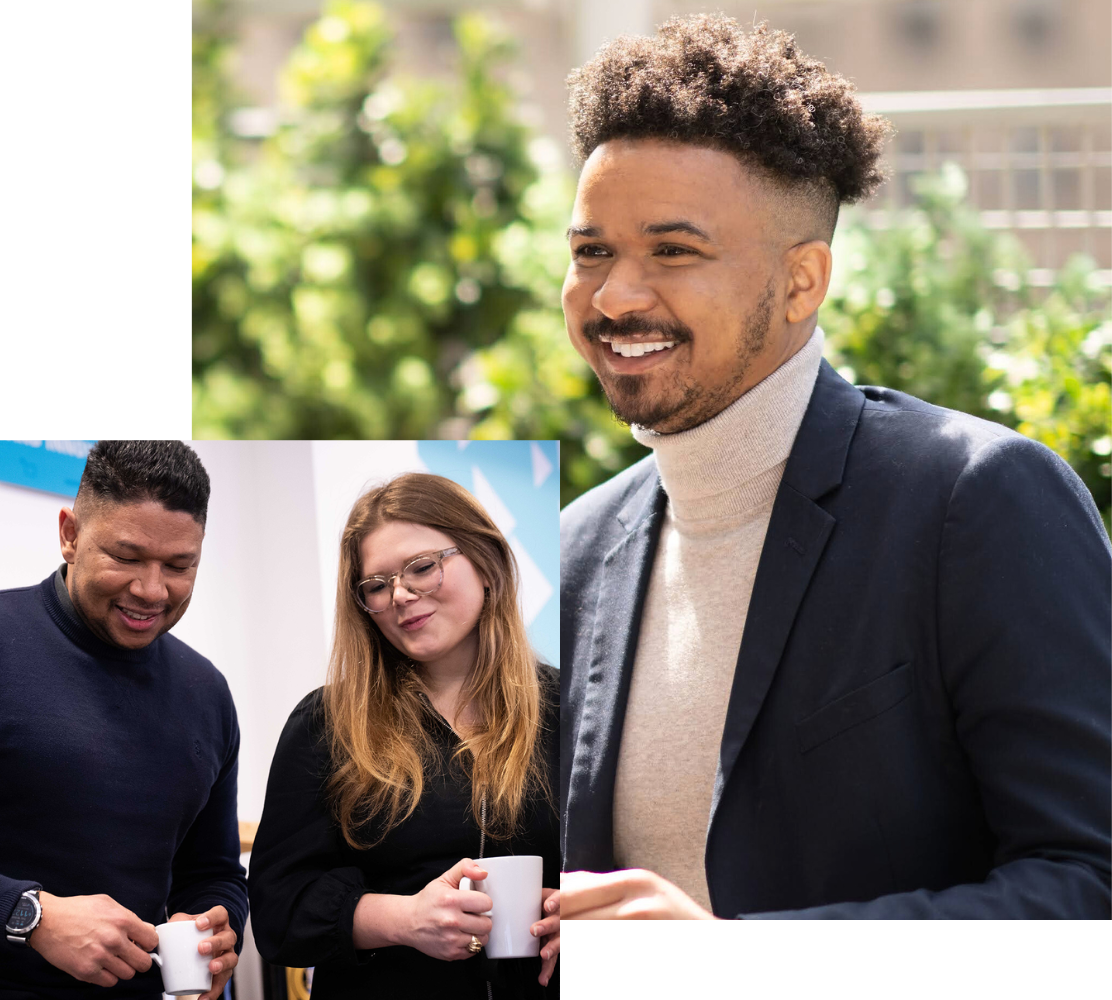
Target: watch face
[[23, 914]]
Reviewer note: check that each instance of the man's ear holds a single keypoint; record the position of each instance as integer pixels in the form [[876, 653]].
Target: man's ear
[[67, 534], [809, 269]]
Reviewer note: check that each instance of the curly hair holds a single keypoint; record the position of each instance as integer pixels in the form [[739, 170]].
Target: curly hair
[[703, 80]]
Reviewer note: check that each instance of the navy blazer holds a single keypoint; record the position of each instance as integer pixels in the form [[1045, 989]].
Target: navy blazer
[[919, 719]]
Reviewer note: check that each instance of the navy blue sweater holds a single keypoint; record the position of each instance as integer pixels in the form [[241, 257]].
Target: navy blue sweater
[[117, 776]]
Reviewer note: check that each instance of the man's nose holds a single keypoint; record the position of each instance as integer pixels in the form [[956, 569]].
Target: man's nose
[[624, 291], [149, 586]]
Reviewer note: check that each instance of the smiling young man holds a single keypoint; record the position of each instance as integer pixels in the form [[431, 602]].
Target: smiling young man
[[118, 743], [828, 651]]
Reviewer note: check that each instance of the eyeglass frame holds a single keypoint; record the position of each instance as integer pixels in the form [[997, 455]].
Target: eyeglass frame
[[389, 579]]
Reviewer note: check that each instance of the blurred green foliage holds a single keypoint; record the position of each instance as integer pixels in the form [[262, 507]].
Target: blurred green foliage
[[387, 263], [938, 307]]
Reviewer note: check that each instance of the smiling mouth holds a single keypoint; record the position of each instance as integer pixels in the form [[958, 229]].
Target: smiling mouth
[[415, 622], [636, 348], [140, 616], [137, 619]]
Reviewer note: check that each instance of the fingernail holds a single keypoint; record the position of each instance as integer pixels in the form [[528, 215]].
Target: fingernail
[[202, 922], [550, 906], [215, 965], [206, 947]]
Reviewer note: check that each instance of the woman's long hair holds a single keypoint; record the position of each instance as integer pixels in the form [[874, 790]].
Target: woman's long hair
[[373, 699]]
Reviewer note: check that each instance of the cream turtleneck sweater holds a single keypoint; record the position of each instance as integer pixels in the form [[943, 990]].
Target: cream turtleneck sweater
[[721, 478]]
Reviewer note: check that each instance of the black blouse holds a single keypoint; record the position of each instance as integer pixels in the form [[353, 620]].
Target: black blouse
[[305, 879]]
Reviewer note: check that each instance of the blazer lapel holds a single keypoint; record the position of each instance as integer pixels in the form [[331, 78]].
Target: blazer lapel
[[623, 582], [797, 534]]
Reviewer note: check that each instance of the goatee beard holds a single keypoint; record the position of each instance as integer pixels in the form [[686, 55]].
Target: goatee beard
[[628, 395], [683, 403]]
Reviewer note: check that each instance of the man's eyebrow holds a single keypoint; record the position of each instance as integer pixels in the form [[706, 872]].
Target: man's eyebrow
[[588, 232], [133, 547], [648, 229], [675, 226]]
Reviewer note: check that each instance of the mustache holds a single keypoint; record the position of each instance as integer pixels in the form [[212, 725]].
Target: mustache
[[604, 326]]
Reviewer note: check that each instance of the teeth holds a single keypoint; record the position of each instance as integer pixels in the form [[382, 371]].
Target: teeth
[[135, 617], [636, 350]]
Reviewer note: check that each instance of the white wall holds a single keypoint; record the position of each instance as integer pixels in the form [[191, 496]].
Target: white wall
[[256, 610], [29, 547]]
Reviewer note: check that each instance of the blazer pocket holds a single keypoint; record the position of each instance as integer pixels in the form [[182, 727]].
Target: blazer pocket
[[852, 709]]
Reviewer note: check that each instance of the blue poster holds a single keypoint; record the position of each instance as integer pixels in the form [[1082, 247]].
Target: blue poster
[[49, 466], [518, 482]]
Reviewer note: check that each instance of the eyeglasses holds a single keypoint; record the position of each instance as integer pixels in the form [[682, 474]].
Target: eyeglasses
[[422, 575]]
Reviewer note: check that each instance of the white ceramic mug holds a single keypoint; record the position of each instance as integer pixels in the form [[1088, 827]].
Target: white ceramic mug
[[513, 883], [184, 969]]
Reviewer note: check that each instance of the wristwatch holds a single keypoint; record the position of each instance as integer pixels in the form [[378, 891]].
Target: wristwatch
[[25, 917]]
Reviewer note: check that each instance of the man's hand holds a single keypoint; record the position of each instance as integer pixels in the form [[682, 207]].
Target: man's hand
[[634, 894], [92, 938], [221, 946], [548, 930]]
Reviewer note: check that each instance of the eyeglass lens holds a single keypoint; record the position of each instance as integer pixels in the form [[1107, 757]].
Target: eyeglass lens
[[422, 576]]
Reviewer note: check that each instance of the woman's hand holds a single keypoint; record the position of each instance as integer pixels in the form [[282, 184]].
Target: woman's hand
[[219, 946], [548, 930], [442, 918]]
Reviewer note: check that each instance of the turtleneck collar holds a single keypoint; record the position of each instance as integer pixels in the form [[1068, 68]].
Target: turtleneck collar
[[733, 462]]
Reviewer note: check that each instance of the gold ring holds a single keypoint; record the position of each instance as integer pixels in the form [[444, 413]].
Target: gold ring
[[475, 946]]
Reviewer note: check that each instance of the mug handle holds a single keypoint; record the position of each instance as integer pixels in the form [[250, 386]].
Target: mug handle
[[156, 958], [469, 886]]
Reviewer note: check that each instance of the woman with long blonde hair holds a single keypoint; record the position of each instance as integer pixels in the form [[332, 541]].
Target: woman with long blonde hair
[[432, 742]]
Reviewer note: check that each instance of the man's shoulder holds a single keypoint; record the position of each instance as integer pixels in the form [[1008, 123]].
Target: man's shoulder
[[193, 666], [610, 497], [598, 520], [24, 618], [13, 598], [20, 593], [919, 419], [179, 651], [904, 429], [929, 450]]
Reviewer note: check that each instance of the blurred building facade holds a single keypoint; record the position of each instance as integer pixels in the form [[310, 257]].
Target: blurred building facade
[[1015, 91]]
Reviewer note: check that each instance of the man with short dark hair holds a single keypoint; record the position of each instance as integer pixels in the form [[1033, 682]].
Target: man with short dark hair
[[828, 651], [118, 743]]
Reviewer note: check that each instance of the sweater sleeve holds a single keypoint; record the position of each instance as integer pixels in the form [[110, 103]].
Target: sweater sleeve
[[303, 896], [10, 891], [206, 871]]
